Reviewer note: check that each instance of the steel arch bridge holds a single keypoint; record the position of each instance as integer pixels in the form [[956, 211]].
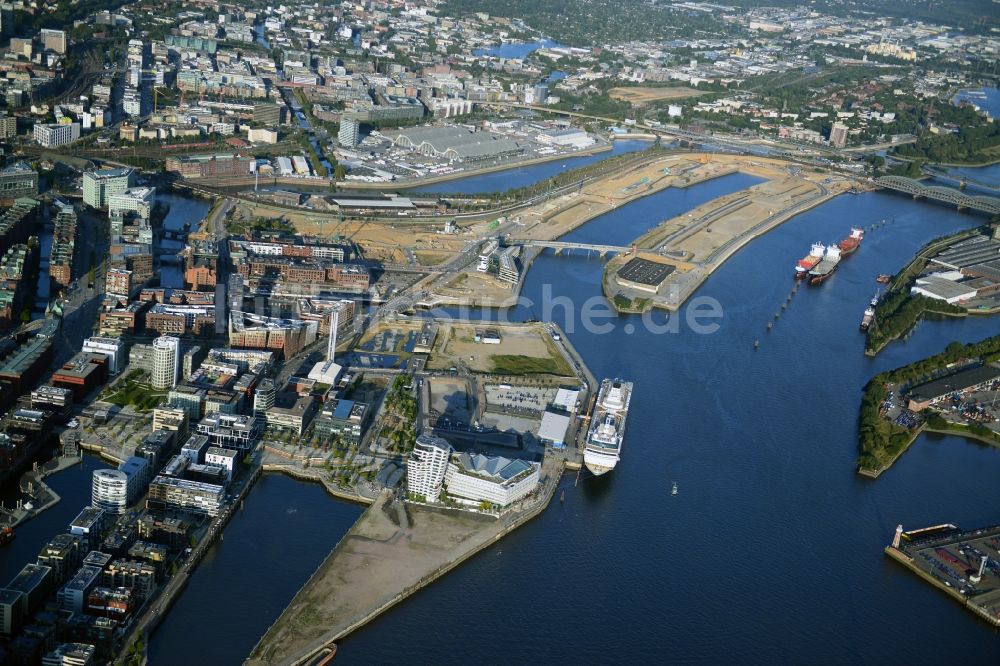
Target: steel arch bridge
[[984, 203]]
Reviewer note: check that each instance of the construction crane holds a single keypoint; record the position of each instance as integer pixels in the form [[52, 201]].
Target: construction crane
[[156, 95]]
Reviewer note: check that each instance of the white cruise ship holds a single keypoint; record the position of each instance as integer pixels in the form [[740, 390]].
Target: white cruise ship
[[607, 427]]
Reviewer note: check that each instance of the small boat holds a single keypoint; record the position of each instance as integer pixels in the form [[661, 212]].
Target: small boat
[[674, 490], [562, 496], [6, 536], [883, 278]]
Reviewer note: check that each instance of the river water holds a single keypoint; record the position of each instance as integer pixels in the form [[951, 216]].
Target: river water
[[773, 545], [515, 50], [986, 99]]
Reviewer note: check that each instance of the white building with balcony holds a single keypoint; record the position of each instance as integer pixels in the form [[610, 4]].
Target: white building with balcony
[[426, 467]]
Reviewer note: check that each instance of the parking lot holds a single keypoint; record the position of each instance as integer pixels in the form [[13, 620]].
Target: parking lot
[[978, 407], [518, 400], [954, 560]]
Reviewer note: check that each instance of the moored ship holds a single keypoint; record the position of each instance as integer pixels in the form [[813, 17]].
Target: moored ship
[[869, 315], [867, 318], [852, 242], [808, 262], [827, 265], [607, 428]]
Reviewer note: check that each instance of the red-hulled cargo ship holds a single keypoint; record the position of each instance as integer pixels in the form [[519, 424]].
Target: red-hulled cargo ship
[[808, 262], [852, 242]]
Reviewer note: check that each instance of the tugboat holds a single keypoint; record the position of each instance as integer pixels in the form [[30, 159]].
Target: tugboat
[[6, 536]]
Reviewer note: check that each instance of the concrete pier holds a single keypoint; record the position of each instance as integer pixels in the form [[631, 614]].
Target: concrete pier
[[952, 561], [389, 554], [33, 484]]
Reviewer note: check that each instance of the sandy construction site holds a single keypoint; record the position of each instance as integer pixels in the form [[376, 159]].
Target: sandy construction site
[[524, 349], [642, 95], [695, 242], [700, 240]]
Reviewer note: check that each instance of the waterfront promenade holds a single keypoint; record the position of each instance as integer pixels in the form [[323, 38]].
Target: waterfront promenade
[[33, 484], [390, 553]]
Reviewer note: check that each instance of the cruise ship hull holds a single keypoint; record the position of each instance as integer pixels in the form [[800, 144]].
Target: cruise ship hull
[[599, 464], [604, 439]]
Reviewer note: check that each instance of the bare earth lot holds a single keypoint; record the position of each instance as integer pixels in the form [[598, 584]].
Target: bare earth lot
[[521, 349], [641, 95]]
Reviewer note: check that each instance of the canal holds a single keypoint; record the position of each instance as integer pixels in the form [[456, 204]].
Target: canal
[[270, 549], [182, 210]]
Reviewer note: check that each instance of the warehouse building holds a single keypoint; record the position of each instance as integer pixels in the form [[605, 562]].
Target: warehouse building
[[457, 144], [964, 381]]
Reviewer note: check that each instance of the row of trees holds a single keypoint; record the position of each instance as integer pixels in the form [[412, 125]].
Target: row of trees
[[401, 410], [597, 21], [899, 312]]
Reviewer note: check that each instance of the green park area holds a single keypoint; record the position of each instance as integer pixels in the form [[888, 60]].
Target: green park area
[[509, 364], [133, 391]]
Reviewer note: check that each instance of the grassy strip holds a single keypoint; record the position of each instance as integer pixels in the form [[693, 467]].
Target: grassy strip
[[512, 364]]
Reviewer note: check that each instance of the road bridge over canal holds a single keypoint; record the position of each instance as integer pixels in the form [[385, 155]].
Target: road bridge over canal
[[560, 246]]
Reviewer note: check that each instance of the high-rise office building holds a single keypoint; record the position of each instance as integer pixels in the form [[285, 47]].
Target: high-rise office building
[[263, 397], [100, 185], [350, 132], [53, 40], [838, 135], [166, 361], [426, 467], [109, 490], [49, 135]]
